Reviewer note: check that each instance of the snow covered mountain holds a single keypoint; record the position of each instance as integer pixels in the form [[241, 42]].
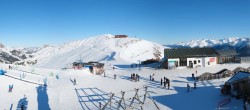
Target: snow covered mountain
[[10, 55], [107, 48], [241, 45], [100, 48]]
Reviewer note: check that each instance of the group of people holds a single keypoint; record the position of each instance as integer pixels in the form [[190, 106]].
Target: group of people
[[135, 77], [194, 78], [188, 86], [10, 67], [165, 81], [22, 75]]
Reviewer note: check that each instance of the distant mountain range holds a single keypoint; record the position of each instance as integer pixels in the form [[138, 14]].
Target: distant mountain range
[[107, 48], [241, 45], [10, 55]]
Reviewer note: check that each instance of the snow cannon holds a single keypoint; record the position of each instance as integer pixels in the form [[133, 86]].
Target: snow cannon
[[2, 72]]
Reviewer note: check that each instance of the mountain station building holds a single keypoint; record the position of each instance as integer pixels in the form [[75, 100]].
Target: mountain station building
[[189, 57]]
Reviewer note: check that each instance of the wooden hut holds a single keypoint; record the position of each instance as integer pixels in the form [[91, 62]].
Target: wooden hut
[[239, 84]]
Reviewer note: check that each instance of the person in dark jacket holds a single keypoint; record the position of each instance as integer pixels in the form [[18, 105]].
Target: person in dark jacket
[[168, 83], [161, 81], [194, 84], [74, 81], [188, 87]]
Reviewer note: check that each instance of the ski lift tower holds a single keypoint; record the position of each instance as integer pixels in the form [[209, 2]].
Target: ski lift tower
[[139, 64], [80, 60]]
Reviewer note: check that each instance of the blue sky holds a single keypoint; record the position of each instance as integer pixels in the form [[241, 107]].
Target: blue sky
[[25, 23]]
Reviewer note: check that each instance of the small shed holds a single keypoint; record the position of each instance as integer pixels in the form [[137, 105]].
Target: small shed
[[239, 84], [98, 68], [77, 65]]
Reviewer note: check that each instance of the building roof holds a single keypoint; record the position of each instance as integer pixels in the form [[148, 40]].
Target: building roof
[[121, 36], [238, 76], [190, 52], [96, 64], [226, 52]]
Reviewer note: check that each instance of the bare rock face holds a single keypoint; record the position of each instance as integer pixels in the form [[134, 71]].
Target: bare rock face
[[7, 58]]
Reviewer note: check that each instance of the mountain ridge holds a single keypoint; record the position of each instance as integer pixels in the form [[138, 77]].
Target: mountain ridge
[[103, 48], [107, 48]]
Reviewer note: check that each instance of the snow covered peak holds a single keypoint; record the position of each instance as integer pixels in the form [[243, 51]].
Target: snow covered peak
[[104, 48]]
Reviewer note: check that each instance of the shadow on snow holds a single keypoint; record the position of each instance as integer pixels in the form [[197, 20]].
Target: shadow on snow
[[22, 104], [42, 98], [91, 98], [195, 99]]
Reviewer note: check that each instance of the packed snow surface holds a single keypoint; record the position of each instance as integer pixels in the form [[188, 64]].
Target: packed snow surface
[[91, 90]]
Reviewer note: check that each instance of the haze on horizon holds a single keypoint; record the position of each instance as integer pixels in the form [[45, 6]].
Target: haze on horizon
[[29, 23]]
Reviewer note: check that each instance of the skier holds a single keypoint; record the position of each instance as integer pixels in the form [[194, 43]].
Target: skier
[[194, 84], [9, 88], [164, 82], [193, 76], [153, 77], [138, 77], [114, 76], [150, 77], [57, 76], [12, 87], [161, 81], [168, 83], [74, 81], [188, 87]]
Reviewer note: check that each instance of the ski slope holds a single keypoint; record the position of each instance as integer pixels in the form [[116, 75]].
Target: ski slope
[[101, 48]]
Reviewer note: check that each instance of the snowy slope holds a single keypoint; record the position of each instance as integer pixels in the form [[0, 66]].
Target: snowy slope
[[61, 94], [100, 48]]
